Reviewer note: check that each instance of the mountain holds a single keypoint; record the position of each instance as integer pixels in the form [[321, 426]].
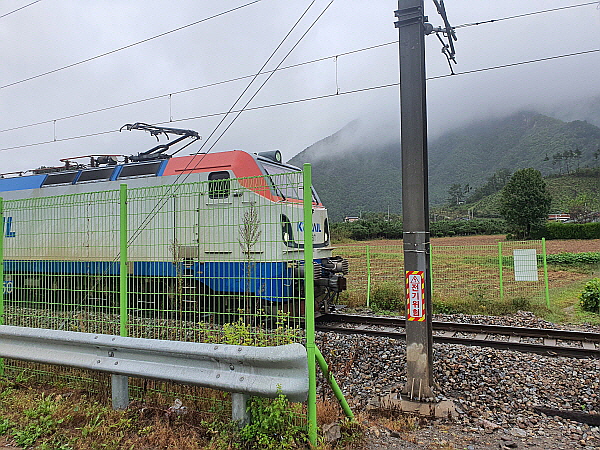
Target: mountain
[[357, 170]]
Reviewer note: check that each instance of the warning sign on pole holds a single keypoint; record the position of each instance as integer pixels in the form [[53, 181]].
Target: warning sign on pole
[[415, 296]]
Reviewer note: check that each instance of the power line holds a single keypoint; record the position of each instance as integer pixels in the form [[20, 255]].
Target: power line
[[176, 184], [183, 91], [502, 66], [319, 97], [157, 97], [128, 46], [525, 14], [19, 9]]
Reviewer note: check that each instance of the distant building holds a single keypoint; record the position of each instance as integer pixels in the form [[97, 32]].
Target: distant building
[[351, 219], [559, 217]]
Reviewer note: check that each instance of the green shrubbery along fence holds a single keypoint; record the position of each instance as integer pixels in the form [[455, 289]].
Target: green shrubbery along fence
[[380, 228], [489, 277]]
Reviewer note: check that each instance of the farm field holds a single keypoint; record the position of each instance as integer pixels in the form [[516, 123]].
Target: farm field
[[552, 246], [467, 276]]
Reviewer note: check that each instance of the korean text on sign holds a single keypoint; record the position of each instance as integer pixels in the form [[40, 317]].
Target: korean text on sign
[[414, 295]]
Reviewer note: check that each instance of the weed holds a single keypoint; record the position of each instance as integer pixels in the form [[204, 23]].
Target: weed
[[328, 411], [5, 425], [41, 422], [388, 296], [272, 426], [590, 297]]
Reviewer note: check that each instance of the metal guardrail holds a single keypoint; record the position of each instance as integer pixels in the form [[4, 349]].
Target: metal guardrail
[[261, 371]]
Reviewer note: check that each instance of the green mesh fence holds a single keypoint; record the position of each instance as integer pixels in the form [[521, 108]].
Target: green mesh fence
[[510, 270], [218, 261], [490, 272]]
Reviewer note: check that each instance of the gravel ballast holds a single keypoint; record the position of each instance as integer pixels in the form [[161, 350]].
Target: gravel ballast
[[495, 391]]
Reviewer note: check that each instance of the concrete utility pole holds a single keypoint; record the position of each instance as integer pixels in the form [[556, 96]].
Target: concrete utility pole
[[415, 200]]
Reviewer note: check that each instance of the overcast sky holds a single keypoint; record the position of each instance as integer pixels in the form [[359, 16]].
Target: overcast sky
[[51, 34]]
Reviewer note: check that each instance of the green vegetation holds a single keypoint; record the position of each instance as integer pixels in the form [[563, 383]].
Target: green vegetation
[[272, 426], [379, 228], [355, 173], [477, 302], [590, 297], [388, 297], [54, 418], [557, 230], [525, 202]]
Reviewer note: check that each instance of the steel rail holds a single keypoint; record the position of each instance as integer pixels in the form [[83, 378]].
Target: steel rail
[[485, 335]]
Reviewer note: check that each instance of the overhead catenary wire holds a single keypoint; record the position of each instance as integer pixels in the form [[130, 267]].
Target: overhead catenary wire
[[19, 9], [177, 183], [183, 91], [533, 13], [319, 97], [217, 83]]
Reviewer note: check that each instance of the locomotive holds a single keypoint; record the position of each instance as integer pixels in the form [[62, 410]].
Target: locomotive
[[198, 258]]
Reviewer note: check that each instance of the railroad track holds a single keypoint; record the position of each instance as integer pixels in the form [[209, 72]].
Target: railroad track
[[546, 341]]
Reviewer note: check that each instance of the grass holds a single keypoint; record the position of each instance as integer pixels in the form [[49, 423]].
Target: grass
[[466, 280], [52, 417]]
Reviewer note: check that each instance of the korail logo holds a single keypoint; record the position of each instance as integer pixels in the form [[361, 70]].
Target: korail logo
[[316, 227]]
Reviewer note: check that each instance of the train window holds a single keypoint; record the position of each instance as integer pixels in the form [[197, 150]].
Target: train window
[[140, 169], [287, 182], [219, 185], [60, 178], [103, 173]]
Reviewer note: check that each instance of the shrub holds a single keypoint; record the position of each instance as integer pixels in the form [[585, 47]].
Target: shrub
[[590, 297], [388, 296], [273, 426], [574, 258], [557, 230]]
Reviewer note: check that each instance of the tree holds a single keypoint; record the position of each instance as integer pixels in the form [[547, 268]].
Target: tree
[[525, 202], [456, 194], [579, 209]]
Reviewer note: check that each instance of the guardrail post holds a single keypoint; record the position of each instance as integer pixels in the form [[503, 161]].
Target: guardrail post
[[120, 391], [239, 413]]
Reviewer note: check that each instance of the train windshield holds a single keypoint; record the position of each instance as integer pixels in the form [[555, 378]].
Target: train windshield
[[287, 182]]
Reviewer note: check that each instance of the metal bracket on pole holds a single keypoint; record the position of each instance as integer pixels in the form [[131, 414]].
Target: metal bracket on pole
[[408, 16]]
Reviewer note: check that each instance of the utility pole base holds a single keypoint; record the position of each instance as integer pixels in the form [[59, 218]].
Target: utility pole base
[[418, 390], [444, 409]]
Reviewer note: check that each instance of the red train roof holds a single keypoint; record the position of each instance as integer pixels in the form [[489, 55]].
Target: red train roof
[[242, 164]]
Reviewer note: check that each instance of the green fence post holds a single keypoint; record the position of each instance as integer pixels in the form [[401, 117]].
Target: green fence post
[[334, 386], [368, 277], [500, 270], [431, 270], [310, 305], [545, 273], [123, 260], [2, 276]]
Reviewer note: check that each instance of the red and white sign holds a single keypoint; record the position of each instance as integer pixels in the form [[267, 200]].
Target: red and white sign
[[415, 296]]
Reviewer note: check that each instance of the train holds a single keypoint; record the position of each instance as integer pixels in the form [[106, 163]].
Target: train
[[209, 257]]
